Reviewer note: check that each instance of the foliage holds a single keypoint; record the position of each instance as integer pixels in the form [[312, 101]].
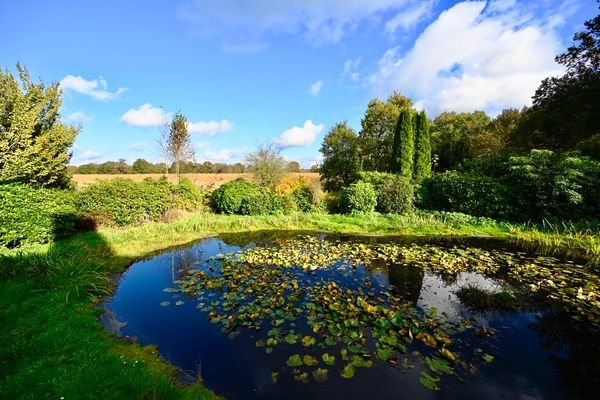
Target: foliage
[[341, 162], [422, 162], [395, 194], [179, 142], [454, 137], [243, 197], [141, 166], [566, 109], [267, 165], [403, 149], [261, 203], [466, 193], [29, 215], [34, 144], [124, 202], [377, 131], [359, 197]]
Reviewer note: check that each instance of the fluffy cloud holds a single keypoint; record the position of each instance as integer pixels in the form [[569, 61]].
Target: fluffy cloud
[[146, 115], [88, 156], [78, 117], [409, 18], [315, 88], [299, 136], [97, 88], [211, 128], [473, 57], [244, 23], [223, 155]]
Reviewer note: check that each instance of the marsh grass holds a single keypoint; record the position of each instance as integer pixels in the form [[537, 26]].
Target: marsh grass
[[52, 344]]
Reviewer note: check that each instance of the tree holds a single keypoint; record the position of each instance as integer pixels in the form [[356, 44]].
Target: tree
[[341, 160], [293, 166], [267, 165], [34, 144], [141, 166], [422, 165], [403, 149], [179, 143], [377, 131], [566, 109]]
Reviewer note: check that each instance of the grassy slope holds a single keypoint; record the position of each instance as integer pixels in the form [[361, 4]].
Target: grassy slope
[[52, 345]]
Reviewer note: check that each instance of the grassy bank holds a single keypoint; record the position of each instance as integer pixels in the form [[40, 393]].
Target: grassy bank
[[52, 345]]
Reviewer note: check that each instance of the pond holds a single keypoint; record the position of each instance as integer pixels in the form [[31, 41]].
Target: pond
[[293, 315]]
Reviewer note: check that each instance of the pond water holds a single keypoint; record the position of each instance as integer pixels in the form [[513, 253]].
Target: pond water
[[294, 315]]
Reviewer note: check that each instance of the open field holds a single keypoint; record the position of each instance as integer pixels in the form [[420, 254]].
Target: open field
[[200, 180]]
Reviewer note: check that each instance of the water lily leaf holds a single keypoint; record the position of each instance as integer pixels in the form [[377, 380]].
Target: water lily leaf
[[439, 366], [447, 354], [302, 377], [294, 360], [275, 377], [309, 361], [328, 359], [291, 338], [429, 381], [320, 374], [308, 341], [487, 358], [360, 362], [268, 350], [385, 353], [165, 303], [260, 343], [344, 354], [179, 302], [348, 372]]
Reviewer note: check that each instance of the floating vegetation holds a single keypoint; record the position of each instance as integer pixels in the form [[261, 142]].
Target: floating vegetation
[[480, 299], [302, 297]]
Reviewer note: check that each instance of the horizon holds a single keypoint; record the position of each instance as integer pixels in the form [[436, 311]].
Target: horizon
[[281, 74]]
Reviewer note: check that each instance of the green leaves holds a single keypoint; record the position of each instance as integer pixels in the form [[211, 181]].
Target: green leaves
[[348, 372], [294, 360], [328, 359]]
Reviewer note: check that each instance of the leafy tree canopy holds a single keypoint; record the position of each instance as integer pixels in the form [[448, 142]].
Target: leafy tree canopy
[[341, 161]]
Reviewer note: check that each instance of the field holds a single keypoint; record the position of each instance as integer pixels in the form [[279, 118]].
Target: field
[[200, 180]]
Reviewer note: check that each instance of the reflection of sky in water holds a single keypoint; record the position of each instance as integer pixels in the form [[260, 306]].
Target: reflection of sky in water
[[237, 369]]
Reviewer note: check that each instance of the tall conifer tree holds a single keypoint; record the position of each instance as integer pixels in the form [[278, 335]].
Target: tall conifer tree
[[404, 147], [422, 166]]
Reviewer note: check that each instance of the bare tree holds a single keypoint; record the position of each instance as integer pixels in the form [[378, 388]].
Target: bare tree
[[267, 164]]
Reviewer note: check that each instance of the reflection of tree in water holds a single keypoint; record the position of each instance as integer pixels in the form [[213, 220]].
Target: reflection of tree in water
[[407, 281], [574, 353], [183, 260]]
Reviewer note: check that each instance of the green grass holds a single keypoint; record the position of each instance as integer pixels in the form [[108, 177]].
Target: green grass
[[52, 344]]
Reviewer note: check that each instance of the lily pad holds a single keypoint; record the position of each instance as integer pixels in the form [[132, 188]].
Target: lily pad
[[294, 360], [348, 372]]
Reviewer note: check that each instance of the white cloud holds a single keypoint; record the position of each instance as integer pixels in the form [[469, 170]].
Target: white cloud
[[211, 128], [146, 115], [96, 88], [89, 155], [139, 146], [409, 18], [350, 69], [223, 155], [315, 88], [78, 117], [299, 136], [247, 22], [473, 58]]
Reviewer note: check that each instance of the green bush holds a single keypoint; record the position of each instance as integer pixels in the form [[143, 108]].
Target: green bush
[[466, 193], [359, 197], [228, 198], [395, 194], [304, 198], [125, 202], [262, 203], [30, 215]]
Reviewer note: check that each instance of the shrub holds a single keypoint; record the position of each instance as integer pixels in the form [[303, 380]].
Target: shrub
[[228, 198], [125, 202], [359, 197], [29, 215], [395, 194], [296, 193], [465, 193], [261, 203]]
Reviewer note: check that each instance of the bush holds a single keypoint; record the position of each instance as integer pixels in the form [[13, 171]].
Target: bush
[[465, 193], [228, 198], [30, 215], [124, 202], [395, 194], [359, 197], [261, 203]]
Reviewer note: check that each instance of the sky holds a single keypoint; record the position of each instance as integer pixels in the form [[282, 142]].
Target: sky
[[252, 72]]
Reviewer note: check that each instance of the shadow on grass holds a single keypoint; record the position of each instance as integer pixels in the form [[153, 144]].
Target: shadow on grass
[[52, 343]]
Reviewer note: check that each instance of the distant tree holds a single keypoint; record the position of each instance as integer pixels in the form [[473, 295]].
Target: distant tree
[[315, 168], [377, 131], [141, 166], [293, 166], [34, 144], [239, 168], [566, 109], [108, 167], [403, 149], [179, 143], [267, 165], [341, 159], [90, 168], [122, 167], [422, 163]]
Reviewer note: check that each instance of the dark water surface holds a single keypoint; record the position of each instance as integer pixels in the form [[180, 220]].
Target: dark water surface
[[537, 354]]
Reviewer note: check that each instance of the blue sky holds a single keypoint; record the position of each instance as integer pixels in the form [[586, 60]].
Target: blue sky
[[249, 72]]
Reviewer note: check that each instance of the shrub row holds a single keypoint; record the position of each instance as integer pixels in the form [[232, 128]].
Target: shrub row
[[30, 215], [541, 185]]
